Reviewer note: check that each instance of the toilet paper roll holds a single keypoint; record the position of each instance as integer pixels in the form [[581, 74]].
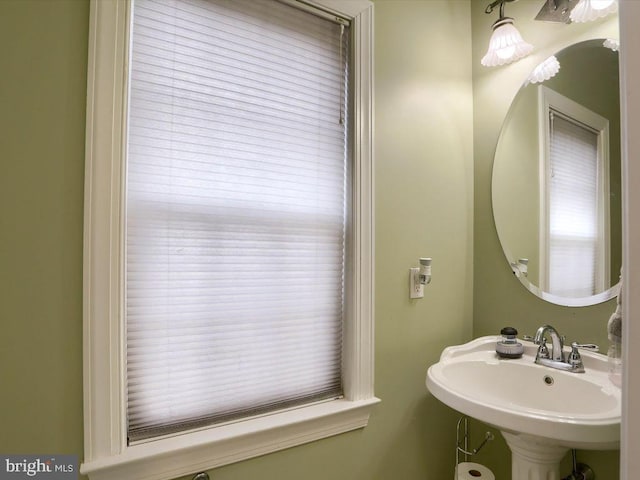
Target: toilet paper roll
[[473, 471]]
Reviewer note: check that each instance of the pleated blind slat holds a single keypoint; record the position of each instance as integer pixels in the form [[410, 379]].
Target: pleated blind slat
[[573, 228], [236, 211]]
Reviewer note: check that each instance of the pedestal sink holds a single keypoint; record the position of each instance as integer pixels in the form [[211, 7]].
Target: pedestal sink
[[541, 412]]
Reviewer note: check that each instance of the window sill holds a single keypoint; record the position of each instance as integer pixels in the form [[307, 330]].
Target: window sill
[[180, 455]]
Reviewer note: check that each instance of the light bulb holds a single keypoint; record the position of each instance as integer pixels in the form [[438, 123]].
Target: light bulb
[[506, 44], [506, 53]]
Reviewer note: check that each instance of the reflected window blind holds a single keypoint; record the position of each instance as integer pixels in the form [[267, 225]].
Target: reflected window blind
[[236, 211], [573, 208]]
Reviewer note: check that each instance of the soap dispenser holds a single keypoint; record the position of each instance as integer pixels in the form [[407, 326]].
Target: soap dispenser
[[508, 345]]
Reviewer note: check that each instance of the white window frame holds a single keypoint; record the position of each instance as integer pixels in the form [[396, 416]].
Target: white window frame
[[549, 99], [107, 454]]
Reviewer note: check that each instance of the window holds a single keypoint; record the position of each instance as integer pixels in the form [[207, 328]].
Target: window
[[575, 206], [228, 233], [236, 206]]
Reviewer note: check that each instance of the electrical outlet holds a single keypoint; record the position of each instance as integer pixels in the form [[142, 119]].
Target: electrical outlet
[[416, 289]]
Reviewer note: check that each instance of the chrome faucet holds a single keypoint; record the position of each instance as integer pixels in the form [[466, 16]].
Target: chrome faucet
[[557, 343], [572, 362]]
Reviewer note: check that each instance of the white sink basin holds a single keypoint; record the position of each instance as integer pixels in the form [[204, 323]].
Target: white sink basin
[[530, 403]]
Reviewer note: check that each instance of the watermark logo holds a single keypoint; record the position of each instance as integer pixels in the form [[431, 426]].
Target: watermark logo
[[38, 467]]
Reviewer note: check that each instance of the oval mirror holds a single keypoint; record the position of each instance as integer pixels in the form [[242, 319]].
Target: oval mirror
[[556, 187]]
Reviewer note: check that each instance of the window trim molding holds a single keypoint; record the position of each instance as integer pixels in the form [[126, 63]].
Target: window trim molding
[[107, 454], [550, 99]]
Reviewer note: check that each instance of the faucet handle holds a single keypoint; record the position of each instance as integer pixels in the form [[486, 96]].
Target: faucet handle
[[538, 340], [586, 346], [541, 341], [575, 359], [543, 351]]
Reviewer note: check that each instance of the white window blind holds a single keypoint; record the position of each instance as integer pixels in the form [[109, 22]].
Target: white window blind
[[573, 208], [237, 210]]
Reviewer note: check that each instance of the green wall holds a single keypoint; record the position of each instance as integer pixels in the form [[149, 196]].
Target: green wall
[[499, 298], [429, 202], [42, 124], [515, 183], [424, 185]]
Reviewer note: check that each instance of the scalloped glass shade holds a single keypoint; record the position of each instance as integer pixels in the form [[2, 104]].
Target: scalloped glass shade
[[588, 10], [545, 70], [612, 43], [506, 46]]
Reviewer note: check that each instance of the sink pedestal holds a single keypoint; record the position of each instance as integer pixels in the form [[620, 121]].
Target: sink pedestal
[[533, 458]]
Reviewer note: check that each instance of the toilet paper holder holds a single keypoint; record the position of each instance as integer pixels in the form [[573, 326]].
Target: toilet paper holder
[[462, 440]]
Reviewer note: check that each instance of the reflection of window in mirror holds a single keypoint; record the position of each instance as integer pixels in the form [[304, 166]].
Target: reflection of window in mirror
[[574, 197]]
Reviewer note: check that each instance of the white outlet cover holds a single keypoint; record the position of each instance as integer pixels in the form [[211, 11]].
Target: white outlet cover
[[416, 289]]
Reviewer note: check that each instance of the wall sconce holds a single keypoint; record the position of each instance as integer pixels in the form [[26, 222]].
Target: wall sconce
[[612, 43], [588, 10], [506, 44], [556, 11], [545, 70]]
